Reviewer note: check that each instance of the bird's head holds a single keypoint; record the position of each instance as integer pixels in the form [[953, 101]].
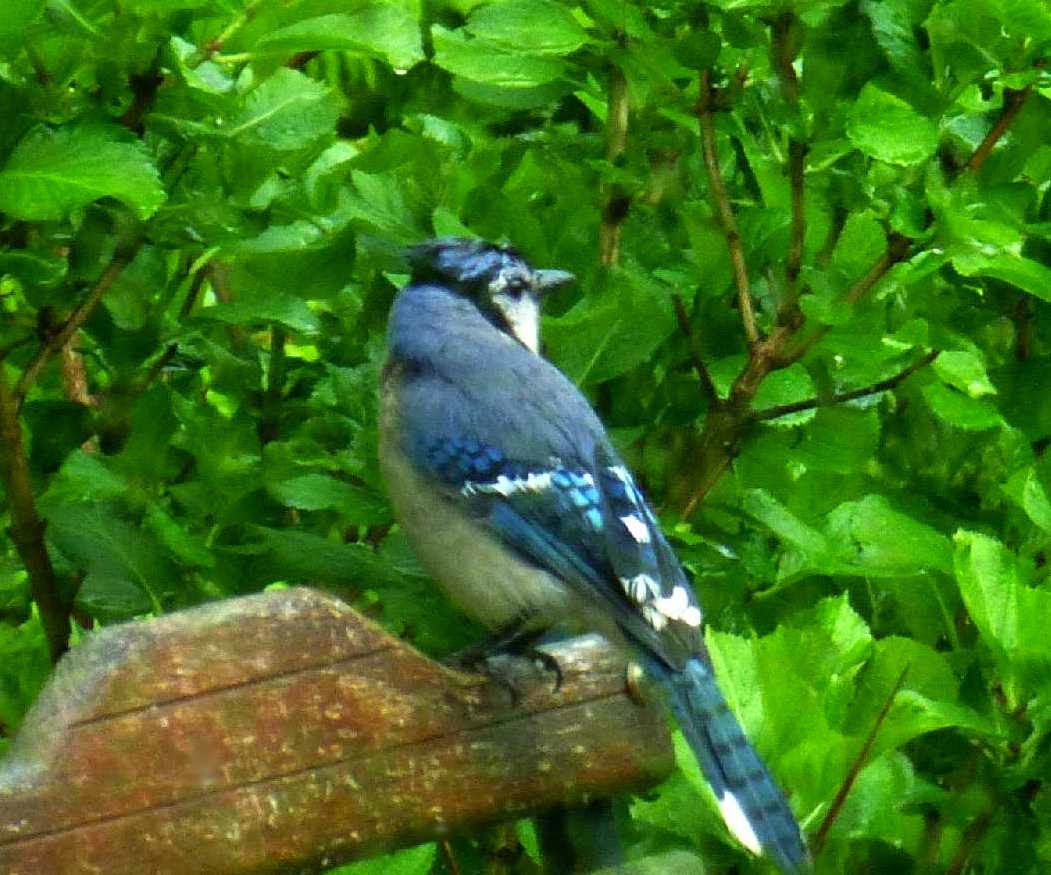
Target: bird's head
[[504, 287]]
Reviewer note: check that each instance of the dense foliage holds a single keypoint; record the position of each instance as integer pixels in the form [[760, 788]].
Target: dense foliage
[[812, 238]]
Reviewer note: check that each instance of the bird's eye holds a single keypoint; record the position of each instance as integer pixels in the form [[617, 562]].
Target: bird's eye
[[515, 287]]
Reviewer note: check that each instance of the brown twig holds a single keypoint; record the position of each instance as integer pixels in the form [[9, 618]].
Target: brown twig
[[726, 426], [144, 88], [1014, 100], [77, 318], [721, 201], [696, 359], [231, 30], [74, 375], [842, 397], [785, 44], [796, 158], [898, 249], [821, 836], [449, 856], [617, 201], [971, 837], [27, 528]]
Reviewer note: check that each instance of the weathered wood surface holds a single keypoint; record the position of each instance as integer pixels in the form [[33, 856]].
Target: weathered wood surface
[[286, 732]]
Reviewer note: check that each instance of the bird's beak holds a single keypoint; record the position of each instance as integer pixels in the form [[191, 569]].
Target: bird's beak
[[545, 281]]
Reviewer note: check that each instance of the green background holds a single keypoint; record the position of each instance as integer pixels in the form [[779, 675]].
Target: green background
[[203, 211]]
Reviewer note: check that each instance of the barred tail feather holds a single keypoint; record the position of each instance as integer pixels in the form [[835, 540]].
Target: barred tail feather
[[751, 803]]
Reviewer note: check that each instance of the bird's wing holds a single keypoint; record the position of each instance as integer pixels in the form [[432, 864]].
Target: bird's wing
[[586, 522]]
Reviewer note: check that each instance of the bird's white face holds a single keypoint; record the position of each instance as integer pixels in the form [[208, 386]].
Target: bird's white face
[[512, 293], [522, 313]]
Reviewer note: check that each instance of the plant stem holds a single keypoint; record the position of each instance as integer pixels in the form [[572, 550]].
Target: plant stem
[[77, 318], [617, 202], [1013, 103], [721, 200], [696, 359], [821, 836], [852, 395], [27, 528]]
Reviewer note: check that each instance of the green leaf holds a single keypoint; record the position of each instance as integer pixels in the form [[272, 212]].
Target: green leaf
[[964, 370], [377, 203], [205, 76], [534, 27], [1024, 273], [25, 665], [287, 111], [1026, 490], [321, 492], [481, 61], [1011, 616], [126, 572], [82, 477], [293, 313], [162, 7], [18, 15], [620, 329], [412, 861], [185, 546], [388, 31], [885, 127], [302, 557], [926, 702], [873, 539], [861, 242], [775, 516], [957, 409], [893, 27], [53, 172], [698, 49], [877, 805]]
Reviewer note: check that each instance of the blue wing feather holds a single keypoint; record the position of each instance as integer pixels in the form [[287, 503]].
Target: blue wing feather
[[588, 524]]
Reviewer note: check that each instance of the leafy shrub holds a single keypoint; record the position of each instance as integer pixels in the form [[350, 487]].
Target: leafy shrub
[[812, 239]]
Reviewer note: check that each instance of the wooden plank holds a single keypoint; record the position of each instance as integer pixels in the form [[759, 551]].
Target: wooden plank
[[285, 731]]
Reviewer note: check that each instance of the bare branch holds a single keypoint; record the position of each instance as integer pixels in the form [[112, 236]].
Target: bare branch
[[898, 248], [231, 30], [796, 158], [785, 43], [1013, 103], [74, 375], [27, 528], [76, 319], [721, 200], [971, 837], [726, 428], [707, 384], [821, 836], [842, 397]]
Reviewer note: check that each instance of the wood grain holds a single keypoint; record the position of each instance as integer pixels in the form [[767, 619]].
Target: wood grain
[[286, 732]]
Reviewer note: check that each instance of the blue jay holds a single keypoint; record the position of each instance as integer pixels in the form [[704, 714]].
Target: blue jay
[[516, 502]]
